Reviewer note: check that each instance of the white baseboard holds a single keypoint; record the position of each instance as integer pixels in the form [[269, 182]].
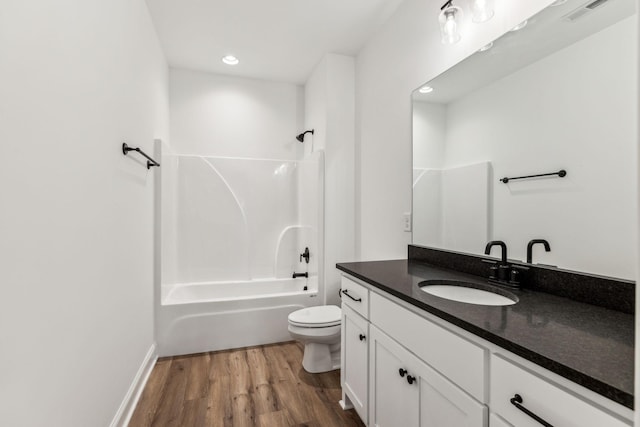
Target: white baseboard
[[130, 401]]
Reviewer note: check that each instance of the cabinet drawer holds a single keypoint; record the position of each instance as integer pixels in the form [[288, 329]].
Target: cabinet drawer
[[355, 296], [461, 361], [552, 403]]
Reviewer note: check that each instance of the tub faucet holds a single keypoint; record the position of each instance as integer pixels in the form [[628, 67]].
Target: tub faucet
[[530, 248], [305, 255]]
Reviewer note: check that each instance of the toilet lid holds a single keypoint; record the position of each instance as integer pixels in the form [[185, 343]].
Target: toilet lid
[[316, 317]]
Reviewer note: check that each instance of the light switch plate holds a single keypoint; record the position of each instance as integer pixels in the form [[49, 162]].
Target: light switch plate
[[406, 221]]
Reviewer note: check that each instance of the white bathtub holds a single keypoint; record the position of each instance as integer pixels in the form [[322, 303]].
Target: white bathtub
[[199, 317]]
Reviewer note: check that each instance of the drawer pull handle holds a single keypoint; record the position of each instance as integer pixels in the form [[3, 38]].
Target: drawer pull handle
[[402, 372], [410, 379], [516, 401], [346, 292], [362, 337]]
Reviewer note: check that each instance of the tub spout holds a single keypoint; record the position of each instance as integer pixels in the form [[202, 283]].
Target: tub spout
[[295, 275]]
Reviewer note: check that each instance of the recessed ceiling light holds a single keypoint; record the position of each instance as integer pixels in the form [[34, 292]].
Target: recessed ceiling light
[[230, 60], [486, 47], [425, 89], [520, 26]]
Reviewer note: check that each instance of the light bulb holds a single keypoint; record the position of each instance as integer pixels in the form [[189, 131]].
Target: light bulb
[[449, 19], [230, 60], [482, 10]]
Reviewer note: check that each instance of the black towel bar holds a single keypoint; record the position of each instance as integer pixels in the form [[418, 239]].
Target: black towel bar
[[561, 173], [150, 161]]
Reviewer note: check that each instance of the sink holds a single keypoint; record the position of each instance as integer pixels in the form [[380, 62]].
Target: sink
[[470, 293]]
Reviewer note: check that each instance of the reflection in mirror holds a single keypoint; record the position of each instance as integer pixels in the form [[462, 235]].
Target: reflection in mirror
[[561, 93]]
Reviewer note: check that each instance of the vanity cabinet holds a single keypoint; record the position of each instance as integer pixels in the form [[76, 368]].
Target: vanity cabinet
[[514, 386], [355, 360], [405, 367], [354, 376], [405, 391]]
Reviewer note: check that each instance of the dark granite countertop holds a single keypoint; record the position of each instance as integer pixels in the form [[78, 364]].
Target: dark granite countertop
[[589, 345]]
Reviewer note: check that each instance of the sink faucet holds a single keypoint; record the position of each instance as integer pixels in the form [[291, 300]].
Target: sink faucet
[[530, 248], [503, 245], [502, 273]]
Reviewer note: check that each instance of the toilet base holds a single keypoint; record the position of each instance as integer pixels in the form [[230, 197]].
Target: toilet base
[[321, 357]]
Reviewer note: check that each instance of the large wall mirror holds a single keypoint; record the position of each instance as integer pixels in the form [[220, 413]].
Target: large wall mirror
[[559, 94]]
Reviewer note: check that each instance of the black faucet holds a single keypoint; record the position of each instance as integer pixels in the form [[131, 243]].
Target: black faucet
[[502, 271], [305, 255], [530, 248], [503, 245]]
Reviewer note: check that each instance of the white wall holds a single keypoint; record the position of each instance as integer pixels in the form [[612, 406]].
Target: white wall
[[76, 322], [406, 53], [329, 109], [216, 115]]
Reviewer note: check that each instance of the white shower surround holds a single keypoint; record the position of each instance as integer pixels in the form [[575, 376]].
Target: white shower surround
[[232, 230]]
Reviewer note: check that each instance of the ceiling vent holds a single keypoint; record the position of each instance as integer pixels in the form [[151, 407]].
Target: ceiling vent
[[583, 10]]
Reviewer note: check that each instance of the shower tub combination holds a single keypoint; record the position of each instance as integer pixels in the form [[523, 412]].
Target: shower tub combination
[[232, 232], [199, 317]]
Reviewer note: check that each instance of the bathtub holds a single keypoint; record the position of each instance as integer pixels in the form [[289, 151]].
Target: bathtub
[[200, 317]]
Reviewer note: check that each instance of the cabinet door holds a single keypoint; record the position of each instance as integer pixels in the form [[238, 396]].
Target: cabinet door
[[393, 401], [355, 362], [421, 397], [496, 421], [443, 404]]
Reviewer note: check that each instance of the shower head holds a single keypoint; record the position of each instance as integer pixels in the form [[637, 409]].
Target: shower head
[[301, 136]]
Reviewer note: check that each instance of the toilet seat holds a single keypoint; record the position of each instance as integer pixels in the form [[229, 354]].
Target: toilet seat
[[322, 316]]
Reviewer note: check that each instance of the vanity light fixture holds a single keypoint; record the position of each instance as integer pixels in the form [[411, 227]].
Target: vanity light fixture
[[482, 10], [425, 89], [520, 26], [230, 60], [450, 19]]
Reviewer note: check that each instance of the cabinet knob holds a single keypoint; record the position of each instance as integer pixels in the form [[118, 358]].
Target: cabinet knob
[[362, 337], [402, 372], [410, 379]]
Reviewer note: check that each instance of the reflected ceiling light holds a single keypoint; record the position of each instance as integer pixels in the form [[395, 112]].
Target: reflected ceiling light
[[520, 25], [482, 10], [230, 60], [450, 19], [425, 89], [557, 3], [486, 47]]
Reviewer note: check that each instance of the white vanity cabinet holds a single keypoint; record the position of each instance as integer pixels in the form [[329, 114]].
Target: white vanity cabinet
[[355, 360], [405, 391], [404, 367], [549, 402], [354, 376]]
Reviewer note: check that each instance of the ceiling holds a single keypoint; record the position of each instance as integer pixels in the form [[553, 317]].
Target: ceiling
[[278, 40]]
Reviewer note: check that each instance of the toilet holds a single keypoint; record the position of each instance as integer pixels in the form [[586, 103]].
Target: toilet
[[318, 328]]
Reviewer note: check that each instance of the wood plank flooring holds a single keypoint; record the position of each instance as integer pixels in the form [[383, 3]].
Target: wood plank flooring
[[261, 386]]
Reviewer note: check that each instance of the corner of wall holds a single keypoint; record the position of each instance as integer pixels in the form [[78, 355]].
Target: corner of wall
[[130, 401]]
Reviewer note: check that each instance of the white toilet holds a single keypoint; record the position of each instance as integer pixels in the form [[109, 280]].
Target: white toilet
[[318, 328]]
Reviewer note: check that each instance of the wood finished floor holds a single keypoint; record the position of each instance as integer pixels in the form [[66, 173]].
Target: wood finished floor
[[257, 386]]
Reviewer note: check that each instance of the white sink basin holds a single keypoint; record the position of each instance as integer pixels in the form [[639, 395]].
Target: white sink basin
[[462, 292]]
